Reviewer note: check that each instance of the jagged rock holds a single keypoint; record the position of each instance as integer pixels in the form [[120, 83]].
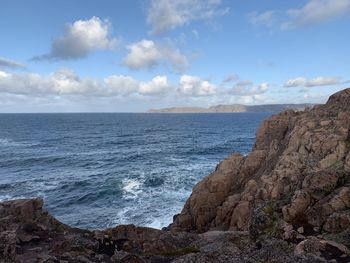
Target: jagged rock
[[300, 160], [208, 194]]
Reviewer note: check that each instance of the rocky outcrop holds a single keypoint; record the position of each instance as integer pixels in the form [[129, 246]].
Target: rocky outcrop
[[297, 176], [29, 234], [287, 201], [298, 169]]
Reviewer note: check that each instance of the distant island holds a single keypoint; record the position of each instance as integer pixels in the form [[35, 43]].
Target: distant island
[[234, 108]]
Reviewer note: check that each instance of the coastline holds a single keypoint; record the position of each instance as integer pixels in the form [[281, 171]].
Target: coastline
[[287, 201]]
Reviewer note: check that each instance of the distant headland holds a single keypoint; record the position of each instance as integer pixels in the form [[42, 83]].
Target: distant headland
[[234, 108]]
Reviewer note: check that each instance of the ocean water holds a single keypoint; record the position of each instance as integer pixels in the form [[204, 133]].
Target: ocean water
[[99, 170]]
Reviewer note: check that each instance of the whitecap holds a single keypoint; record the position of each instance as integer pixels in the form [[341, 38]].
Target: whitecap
[[132, 187], [10, 142], [175, 159]]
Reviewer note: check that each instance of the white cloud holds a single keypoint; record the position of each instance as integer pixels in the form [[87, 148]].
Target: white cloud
[[296, 82], [165, 15], [8, 63], [123, 85], [66, 86], [19, 83], [251, 99], [318, 81], [143, 54], [59, 83], [81, 38], [313, 12], [316, 11], [157, 86], [65, 82], [146, 54], [174, 56], [246, 88], [266, 18], [195, 86]]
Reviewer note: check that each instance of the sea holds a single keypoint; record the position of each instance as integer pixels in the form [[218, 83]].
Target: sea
[[99, 170]]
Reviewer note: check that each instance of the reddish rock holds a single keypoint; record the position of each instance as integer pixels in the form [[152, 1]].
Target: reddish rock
[[301, 160]]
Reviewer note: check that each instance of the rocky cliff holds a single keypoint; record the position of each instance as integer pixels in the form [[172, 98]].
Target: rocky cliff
[[287, 201]]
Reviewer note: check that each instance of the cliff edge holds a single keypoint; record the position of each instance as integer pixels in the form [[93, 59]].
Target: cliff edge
[[287, 201]]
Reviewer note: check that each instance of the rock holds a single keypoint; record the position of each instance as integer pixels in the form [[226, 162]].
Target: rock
[[347, 160], [300, 160], [8, 242], [340, 99], [200, 209], [337, 222], [240, 216], [307, 246], [300, 230], [299, 204], [343, 249]]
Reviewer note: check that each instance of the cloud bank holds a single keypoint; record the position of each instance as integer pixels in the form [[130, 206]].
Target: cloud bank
[[66, 83]]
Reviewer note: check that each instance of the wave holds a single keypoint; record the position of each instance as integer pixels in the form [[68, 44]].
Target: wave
[[11, 143]]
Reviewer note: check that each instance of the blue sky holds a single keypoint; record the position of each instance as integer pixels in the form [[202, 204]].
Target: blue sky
[[129, 56]]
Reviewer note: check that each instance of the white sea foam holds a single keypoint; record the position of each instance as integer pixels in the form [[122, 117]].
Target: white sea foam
[[120, 218], [4, 197], [132, 187], [160, 222], [10, 142]]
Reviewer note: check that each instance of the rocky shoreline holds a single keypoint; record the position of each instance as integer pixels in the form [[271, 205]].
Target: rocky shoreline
[[287, 201]]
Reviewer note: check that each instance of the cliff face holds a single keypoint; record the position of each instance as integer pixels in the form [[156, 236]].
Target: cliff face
[[298, 170], [287, 201]]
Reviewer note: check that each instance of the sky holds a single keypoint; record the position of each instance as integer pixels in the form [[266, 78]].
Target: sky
[[130, 56]]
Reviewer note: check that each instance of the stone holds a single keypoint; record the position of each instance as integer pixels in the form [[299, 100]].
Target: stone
[[300, 230], [311, 245]]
